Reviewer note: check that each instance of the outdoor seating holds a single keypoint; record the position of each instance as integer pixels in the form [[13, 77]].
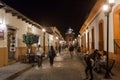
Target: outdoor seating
[[28, 58], [103, 66], [111, 63]]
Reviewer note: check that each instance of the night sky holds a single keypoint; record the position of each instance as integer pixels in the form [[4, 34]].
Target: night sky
[[60, 13]]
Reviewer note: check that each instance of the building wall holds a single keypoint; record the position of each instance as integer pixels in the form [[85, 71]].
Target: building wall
[[95, 24], [22, 27]]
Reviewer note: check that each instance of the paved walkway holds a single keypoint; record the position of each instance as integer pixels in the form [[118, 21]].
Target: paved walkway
[[64, 68], [10, 70]]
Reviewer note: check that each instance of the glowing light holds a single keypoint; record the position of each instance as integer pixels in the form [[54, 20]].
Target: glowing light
[[56, 37], [43, 30], [105, 8], [111, 1], [2, 26]]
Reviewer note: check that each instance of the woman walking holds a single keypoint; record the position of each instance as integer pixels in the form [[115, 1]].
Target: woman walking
[[51, 55]]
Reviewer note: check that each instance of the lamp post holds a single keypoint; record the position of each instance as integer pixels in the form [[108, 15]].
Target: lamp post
[[107, 8], [44, 39]]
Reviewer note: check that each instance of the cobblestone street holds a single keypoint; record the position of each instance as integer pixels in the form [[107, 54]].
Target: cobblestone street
[[64, 68]]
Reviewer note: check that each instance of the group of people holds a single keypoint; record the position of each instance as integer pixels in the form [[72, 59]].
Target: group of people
[[94, 61], [40, 54], [74, 49]]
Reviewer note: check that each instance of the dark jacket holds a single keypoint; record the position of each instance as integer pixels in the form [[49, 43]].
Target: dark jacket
[[71, 48], [88, 61], [52, 53]]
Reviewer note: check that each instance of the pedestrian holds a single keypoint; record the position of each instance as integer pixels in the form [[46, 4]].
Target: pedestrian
[[71, 48], [51, 55], [39, 53], [89, 67], [78, 50], [59, 49]]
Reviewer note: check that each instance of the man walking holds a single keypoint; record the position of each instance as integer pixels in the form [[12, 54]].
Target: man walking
[[71, 48]]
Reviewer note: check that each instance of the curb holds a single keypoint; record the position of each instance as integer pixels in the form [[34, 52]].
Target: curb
[[18, 73]]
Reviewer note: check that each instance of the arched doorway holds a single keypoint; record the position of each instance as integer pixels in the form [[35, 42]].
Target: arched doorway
[[101, 35]]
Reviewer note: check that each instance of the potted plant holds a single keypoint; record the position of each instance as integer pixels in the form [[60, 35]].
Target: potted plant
[[29, 39]]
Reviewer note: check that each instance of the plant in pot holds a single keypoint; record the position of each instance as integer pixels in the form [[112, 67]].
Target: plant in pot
[[29, 39]]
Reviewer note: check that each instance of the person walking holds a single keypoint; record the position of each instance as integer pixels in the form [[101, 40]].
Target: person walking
[[51, 55], [71, 49], [89, 67], [39, 53], [59, 49]]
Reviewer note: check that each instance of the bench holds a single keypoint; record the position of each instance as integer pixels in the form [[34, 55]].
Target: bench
[[111, 63]]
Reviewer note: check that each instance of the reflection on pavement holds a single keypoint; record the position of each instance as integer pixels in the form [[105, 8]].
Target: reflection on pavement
[[58, 58], [58, 65]]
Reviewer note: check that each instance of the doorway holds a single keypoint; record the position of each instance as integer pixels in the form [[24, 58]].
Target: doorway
[[101, 36], [11, 44]]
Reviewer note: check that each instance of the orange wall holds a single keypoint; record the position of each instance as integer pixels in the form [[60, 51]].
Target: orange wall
[[3, 56], [117, 59]]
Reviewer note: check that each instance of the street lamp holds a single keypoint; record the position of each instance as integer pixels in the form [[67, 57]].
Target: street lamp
[[107, 8], [44, 39]]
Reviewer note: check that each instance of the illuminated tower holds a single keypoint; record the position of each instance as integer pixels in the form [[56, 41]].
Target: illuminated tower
[[69, 36]]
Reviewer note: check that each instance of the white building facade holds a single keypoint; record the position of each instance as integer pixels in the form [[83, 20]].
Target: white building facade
[[95, 30], [12, 27]]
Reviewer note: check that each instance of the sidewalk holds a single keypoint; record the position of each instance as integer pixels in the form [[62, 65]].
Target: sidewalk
[[11, 70]]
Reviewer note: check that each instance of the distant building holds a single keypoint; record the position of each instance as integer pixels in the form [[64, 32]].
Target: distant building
[[69, 36]]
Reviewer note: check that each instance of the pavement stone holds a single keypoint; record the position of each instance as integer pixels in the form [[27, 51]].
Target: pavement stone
[[10, 70], [64, 68]]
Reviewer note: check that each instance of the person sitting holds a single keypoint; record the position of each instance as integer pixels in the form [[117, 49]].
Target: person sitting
[[89, 66], [101, 61]]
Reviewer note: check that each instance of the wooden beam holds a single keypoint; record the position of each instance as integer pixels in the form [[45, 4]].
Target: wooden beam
[[14, 14], [7, 10], [19, 17]]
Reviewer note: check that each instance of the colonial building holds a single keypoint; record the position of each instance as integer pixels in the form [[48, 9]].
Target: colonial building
[[12, 27], [94, 30]]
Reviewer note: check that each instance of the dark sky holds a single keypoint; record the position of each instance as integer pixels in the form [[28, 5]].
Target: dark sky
[[60, 13]]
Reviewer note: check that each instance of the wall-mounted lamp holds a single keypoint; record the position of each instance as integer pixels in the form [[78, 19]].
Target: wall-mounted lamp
[[56, 37]]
